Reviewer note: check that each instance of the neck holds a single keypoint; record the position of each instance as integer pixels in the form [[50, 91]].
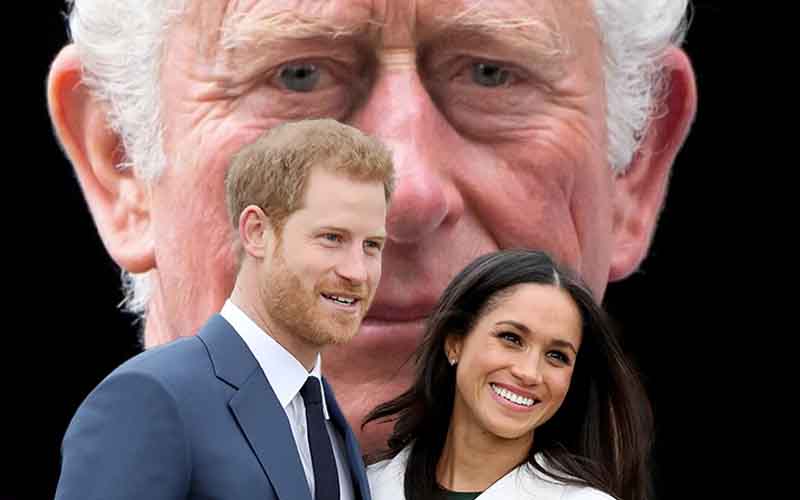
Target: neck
[[473, 459], [157, 330], [247, 299]]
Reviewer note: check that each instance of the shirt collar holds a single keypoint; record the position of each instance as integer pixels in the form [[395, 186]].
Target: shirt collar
[[286, 375]]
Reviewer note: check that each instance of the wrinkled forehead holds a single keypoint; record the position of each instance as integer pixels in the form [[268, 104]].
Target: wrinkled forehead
[[556, 25]]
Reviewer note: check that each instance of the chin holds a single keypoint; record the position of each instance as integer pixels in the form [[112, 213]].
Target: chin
[[513, 434], [511, 431], [341, 335]]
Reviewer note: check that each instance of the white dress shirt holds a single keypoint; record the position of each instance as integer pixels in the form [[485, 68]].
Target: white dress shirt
[[286, 375]]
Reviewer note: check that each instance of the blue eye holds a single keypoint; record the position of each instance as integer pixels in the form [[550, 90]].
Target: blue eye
[[332, 237], [301, 77], [489, 75]]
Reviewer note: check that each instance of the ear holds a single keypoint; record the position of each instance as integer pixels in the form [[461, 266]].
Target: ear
[[255, 232], [640, 191], [118, 201], [452, 347]]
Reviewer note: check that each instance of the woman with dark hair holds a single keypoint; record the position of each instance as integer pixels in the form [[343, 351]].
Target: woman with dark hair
[[521, 392]]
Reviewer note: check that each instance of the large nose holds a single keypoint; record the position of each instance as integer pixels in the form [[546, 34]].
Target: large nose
[[400, 112]]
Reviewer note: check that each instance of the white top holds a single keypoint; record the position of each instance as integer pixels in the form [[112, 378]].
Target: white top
[[524, 482], [286, 376]]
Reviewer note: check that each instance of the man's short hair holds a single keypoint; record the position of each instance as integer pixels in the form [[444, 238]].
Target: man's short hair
[[272, 173]]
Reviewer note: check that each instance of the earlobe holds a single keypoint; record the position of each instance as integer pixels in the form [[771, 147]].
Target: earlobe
[[452, 348], [118, 201], [640, 191]]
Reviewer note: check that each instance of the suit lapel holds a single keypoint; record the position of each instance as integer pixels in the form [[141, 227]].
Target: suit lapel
[[266, 427], [354, 460], [506, 488], [256, 409], [523, 482]]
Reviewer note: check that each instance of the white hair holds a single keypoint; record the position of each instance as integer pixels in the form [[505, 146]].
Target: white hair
[[121, 45], [635, 35]]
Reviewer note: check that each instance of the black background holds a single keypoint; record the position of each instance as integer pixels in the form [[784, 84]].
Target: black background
[[64, 333]]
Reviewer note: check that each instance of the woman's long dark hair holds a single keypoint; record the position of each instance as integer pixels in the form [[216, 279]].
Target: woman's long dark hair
[[601, 435]]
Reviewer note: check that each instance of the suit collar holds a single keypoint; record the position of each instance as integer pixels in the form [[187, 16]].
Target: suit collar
[[263, 422], [285, 374], [232, 360], [256, 409]]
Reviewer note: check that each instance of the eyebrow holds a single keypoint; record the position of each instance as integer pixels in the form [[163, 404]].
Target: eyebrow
[[378, 236], [252, 38], [265, 28], [540, 37], [556, 342]]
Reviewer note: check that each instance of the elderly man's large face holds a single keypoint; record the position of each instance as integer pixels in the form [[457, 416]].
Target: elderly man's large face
[[496, 119]]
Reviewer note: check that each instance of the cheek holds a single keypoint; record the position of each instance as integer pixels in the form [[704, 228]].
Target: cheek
[[592, 209], [476, 364], [523, 199], [191, 210], [467, 388], [309, 265], [559, 387], [192, 229], [550, 190], [192, 224], [375, 272]]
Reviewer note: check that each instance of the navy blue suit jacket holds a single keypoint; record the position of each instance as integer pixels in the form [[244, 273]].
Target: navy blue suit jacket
[[195, 418]]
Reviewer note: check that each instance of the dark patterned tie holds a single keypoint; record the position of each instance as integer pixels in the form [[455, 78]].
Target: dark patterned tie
[[326, 479]]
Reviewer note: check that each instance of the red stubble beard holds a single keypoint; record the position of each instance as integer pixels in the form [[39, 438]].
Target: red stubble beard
[[295, 309]]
